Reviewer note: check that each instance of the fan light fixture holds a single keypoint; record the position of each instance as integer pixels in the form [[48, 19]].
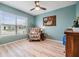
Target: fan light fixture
[[37, 8]]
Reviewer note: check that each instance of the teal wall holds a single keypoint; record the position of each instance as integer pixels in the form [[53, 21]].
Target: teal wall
[[31, 23], [77, 9], [64, 19]]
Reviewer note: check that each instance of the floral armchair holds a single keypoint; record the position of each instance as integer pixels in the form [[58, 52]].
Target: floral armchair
[[35, 34]]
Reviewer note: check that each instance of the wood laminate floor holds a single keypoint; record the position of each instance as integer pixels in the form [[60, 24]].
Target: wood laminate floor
[[24, 48]]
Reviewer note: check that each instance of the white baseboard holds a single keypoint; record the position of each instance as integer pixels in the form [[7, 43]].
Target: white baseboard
[[56, 41]]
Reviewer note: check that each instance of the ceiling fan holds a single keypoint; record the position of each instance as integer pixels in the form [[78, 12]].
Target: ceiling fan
[[37, 6]]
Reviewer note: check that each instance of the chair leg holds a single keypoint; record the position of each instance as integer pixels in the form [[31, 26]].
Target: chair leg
[[30, 40], [40, 39]]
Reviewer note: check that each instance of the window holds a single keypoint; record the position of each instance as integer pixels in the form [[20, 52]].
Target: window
[[21, 25], [11, 24], [8, 24]]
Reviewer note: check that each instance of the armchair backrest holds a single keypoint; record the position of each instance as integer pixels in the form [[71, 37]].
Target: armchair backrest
[[35, 30]]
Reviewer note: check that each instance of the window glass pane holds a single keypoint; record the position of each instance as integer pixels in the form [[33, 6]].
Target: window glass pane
[[8, 23], [21, 25]]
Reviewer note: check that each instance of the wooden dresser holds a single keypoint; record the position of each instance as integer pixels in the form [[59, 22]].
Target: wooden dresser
[[72, 43]]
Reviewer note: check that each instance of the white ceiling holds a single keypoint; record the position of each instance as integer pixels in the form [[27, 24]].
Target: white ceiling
[[27, 5]]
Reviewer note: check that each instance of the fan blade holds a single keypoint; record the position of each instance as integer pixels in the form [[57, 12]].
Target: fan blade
[[32, 9], [43, 8]]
